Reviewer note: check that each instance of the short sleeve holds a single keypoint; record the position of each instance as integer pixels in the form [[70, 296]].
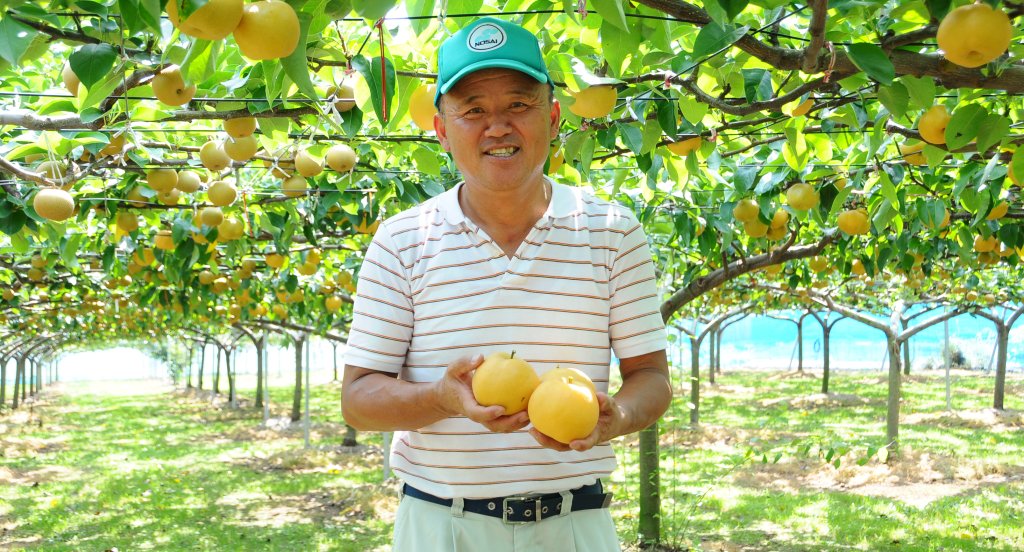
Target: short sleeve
[[382, 315], [635, 324]]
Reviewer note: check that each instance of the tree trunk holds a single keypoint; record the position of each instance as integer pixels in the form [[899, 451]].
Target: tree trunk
[[259, 371], [216, 372], [3, 381], [892, 417], [25, 369], [718, 348], [649, 524], [31, 378], [19, 369], [826, 368], [694, 381], [39, 376], [906, 349], [800, 345], [188, 374], [351, 437], [712, 353], [297, 393], [1002, 341], [232, 399], [202, 364], [334, 346]]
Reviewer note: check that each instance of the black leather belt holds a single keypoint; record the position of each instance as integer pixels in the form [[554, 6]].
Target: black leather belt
[[523, 508]]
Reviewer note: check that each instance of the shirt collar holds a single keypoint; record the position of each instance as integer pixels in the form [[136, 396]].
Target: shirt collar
[[566, 201]]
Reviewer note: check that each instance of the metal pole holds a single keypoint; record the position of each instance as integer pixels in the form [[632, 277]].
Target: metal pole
[[305, 417], [946, 360]]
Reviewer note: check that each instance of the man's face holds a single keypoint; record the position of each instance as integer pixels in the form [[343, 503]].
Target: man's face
[[498, 125]]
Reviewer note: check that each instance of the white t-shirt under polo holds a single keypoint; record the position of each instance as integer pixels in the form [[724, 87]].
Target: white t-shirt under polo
[[434, 287]]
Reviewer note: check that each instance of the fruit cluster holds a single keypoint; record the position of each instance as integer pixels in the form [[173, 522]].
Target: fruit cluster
[[561, 404]]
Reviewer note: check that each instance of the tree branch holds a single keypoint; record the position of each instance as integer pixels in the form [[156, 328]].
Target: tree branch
[[701, 285], [819, 14]]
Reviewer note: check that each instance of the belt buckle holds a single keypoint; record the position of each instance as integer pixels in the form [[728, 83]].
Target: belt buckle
[[506, 509]]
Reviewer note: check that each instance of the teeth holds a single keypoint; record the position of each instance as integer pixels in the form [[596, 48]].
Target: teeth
[[503, 152]]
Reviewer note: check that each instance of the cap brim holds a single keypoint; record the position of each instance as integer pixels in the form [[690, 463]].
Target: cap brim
[[489, 64]]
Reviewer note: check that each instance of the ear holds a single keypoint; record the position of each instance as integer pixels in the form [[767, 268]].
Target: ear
[[556, 118], [441, 131]]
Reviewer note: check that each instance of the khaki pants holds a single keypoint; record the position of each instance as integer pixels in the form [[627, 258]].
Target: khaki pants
[[422, 526]]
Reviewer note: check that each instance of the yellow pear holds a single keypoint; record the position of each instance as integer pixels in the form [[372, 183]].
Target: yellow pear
[[213, 21], [169, 87], [294, 186], [307, 165], [240, 127], [341, 158], [974, 34], [269, 29], [421, 107], [594, 102], [932, 125], [53, 204], [213, 156], [241, 149], [344, 97]]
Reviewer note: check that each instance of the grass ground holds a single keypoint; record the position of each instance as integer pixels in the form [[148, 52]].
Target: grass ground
[[772, 466]]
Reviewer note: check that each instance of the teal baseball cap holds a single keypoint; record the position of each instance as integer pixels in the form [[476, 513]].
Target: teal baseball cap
[[488, 42]]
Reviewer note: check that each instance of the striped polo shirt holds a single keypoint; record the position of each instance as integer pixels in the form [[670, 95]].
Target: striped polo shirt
[[434, 287]]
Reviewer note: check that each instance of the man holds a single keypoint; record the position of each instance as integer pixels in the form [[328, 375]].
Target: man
[[505, 261]]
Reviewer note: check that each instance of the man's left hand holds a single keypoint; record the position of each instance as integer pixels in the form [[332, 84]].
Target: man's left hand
[[609, 420]]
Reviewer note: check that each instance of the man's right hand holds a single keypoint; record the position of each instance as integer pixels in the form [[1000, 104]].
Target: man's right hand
[[455, 395]]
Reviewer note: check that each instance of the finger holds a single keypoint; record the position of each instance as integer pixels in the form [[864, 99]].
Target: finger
[[464, 365], [507, 424], [548, 442]]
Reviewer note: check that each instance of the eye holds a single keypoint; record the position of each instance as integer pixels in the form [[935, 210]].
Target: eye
[[518, 107], [472, 113]]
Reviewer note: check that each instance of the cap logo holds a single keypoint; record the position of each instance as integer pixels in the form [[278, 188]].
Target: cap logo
[[486, 37]]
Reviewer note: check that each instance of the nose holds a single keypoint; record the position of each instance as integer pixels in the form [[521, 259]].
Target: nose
[[499, 124]]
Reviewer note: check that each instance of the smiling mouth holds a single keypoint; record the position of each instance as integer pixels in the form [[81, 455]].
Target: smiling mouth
[[502, 152]]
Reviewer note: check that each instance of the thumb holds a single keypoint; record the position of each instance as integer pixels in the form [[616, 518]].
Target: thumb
[[464, 365]]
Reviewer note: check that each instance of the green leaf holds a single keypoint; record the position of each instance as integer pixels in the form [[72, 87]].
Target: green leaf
[[921, 89], [795, 152], [993, 129], [938, 9], [964, 125], [69, 251], [871, 59], [693, 111], [1017, 165], [100, 91], [295, 64], [667, 117], [611, 11], [92, 62], [196, 66], [733, 7], [895, 98], [141, 14], [419, 8], [932, 212], [382, 96], [652, 135], [352, 121], [12, 223], [373, 9], [714, 37], [15, 38], [632, 136], [757, 84], [618, 45]]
